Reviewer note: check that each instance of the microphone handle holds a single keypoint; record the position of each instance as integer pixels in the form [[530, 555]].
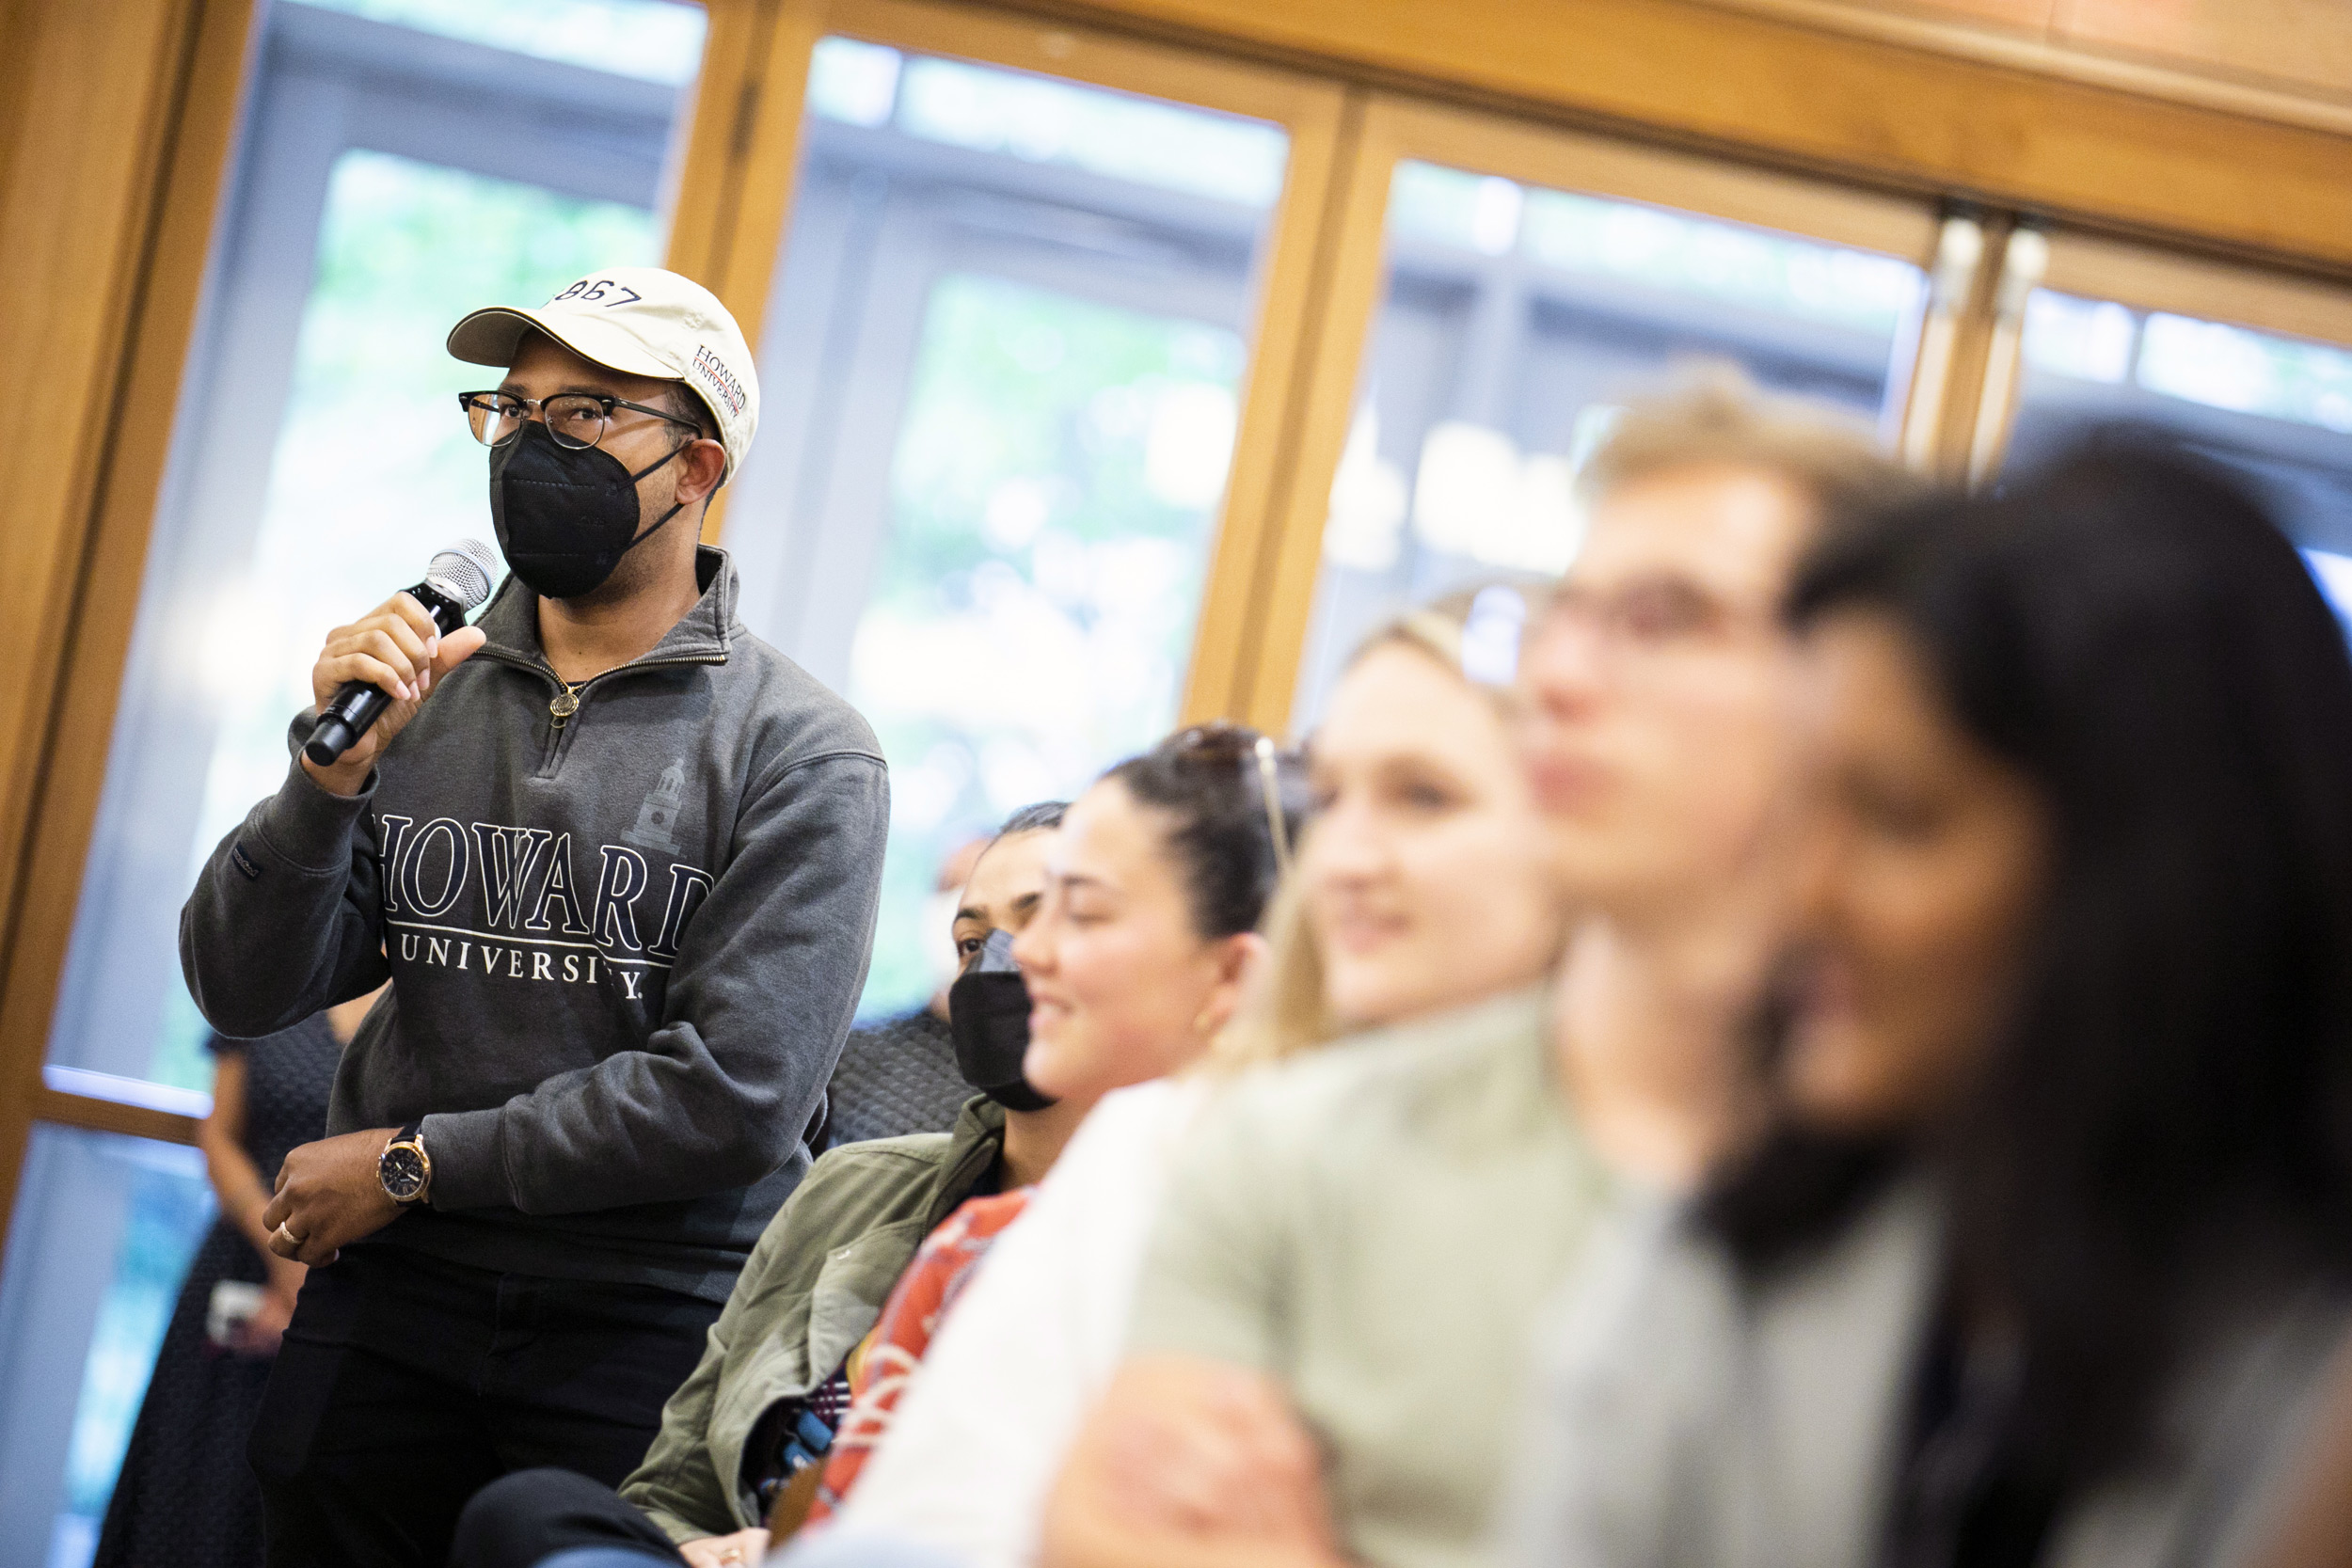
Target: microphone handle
[[360, 703]]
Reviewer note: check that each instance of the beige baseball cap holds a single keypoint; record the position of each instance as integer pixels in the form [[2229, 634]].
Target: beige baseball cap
[[639, 321]]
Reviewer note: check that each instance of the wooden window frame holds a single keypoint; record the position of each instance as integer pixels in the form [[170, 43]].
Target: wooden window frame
[[2137, 148], [2143, 277], [742, 255], [2150, 278], [127, 206], [1387, 130]]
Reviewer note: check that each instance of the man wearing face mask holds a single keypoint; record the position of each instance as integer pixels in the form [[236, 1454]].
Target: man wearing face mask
[[621, 859], [771, 1389]]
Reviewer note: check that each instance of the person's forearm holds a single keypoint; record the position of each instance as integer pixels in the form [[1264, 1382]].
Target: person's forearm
[[237, 1184], [1089, 1536], [663, 1123], [236, 1180], [1191, 1462]]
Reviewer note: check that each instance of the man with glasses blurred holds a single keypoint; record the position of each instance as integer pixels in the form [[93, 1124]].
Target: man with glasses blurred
[[620, 859]]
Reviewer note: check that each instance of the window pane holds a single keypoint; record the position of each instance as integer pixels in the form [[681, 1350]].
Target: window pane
[[319, 456], [1002, 364], [1050, 511], [1516, 322], [2276, 410], [1708, 260], [103, 1233], [656, 40]]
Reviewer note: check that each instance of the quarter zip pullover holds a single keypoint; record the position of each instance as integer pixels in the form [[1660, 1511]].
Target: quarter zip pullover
[[624, 948]]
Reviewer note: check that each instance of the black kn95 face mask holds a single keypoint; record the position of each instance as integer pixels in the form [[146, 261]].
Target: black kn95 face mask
[[988, 1014], [566, 515]]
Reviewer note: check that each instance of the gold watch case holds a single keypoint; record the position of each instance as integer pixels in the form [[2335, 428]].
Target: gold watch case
[[405, 1170]]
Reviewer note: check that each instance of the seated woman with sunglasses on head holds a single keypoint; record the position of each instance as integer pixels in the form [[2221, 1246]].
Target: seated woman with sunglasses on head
[[1138, 957], [2050, 1254], [1413, 902], [1134, 961]]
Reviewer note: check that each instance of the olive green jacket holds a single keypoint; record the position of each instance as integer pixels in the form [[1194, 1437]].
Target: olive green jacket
[[814, 1286]]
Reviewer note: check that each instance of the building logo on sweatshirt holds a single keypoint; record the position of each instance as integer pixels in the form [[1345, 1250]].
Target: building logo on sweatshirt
[[509, 902], [657, 818]]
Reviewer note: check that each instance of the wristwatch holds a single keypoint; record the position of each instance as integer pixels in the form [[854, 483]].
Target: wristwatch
[[405, 1170]]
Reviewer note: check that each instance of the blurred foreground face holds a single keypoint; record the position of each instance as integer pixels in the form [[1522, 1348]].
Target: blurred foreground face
[[1003, 891], [1926, 869], [1421, 883], [1118, 976], [1659, 684]]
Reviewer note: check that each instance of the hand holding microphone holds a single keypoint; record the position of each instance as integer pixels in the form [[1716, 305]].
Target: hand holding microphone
[[372, 676]]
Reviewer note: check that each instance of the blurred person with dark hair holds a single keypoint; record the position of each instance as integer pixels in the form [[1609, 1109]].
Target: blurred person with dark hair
[[2311, 1509], [1414, 920], [898, 1075], [185, 1494], [774, 1383], [621, 859], [1325, 1357], [2050, 1254]]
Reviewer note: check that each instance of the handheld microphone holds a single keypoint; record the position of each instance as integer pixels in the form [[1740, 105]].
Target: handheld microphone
[[458, 580]]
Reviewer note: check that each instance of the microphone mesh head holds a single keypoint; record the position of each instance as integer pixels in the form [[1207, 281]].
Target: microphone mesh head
[[464, 572]]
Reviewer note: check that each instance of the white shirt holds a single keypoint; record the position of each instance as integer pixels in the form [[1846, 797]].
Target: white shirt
[[981, 1435]]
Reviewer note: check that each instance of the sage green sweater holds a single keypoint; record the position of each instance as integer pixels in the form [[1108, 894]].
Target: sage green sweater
[[815, 1284]]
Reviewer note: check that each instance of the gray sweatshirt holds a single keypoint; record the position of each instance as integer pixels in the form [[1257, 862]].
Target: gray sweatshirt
[[1692, 1416], [625, 951]]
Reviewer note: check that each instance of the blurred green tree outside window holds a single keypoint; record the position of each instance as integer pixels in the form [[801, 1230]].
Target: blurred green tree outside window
[[1052, 497]]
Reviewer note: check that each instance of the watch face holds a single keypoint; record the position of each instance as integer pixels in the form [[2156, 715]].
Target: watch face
[[403, 1171]]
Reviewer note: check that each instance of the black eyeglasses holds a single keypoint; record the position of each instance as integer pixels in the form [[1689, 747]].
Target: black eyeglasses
[[576, 420]]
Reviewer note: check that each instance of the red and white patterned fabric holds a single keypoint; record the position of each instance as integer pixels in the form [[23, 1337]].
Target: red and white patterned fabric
[[883, 1362]]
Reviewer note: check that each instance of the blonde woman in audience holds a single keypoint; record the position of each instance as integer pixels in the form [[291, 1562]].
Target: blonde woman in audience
[[1328, 1355], [1415, 915]]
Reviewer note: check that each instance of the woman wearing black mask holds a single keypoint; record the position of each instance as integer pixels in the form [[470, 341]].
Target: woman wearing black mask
[[2057, 1244], [772, 1386]]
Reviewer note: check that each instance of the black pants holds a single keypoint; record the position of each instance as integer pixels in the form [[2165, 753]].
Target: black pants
[[532, 1514], [406, 1384]]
